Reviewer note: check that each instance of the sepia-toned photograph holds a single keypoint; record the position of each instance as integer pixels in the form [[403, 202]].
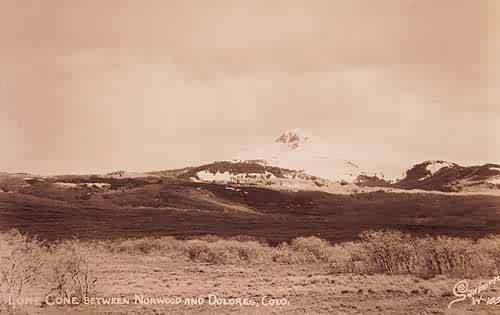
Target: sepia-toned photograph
[[250, 157]]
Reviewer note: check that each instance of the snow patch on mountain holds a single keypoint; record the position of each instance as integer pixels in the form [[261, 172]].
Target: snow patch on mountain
[[494, 181], [436, 166], [65, 185], [228, 177], [298, 150], [217, 177]]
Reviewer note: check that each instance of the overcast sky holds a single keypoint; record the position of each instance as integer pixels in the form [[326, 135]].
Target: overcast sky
[[95, 86]]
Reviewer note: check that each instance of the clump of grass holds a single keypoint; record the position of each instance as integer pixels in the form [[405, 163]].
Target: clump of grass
[[226, 251], [347, 258], [342, 258], [312, 247], [143, 246], [303, 250]]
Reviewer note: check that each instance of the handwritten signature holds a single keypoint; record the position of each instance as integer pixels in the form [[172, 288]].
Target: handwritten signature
[[462, 291]]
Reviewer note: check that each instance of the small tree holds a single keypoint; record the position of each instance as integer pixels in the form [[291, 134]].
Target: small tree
[[68, 272], [21, 260]]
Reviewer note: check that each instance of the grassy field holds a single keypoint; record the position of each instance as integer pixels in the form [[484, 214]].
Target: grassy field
[[305, 252], [307, 275], [185, 209]]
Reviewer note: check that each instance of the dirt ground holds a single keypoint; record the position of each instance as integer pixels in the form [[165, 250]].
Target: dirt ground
[[298, 289]]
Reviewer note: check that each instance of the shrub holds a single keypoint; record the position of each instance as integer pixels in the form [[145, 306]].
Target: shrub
[[315, 248], [284, 254], [347, 258], [491, 247], [21, 260], [142, 246], [397, 253], [304, 250], [453, 256], [388, 251], [68, 271], [226, 251]]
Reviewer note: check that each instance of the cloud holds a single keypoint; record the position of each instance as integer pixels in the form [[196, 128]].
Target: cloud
[[98, 86]]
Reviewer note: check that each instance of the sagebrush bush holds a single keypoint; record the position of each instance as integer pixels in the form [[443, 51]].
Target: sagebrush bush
[[141, 246], [65, 268], [226, 251], [60, 269], [393, 252], [68, 272], [21, 259], [314, 248], [454, 256], [490, 246], [397, 253], [347, 258], [388, 252], [303, 250]]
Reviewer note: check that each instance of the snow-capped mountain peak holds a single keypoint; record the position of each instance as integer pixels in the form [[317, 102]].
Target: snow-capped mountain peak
[[298, 150], [293, 138]]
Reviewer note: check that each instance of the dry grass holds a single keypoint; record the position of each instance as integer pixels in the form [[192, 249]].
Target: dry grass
[[80, 269], [207, 249], [304, 250], [391, 252], [226, 251], [20, 263], [63, 268], [141, 246], [385, 252], [398, 253]]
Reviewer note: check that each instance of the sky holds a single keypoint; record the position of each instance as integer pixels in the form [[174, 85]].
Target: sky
[[96, 86]]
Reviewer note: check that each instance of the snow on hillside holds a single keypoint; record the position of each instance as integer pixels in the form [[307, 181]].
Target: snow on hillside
[[87, 185], [435, 166], [256, 173], [494, 181], [228, 177], [296, 149], [451, 177]]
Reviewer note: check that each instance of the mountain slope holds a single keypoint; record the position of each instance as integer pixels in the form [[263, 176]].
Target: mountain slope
[[185, 209], [451, 177], [297, 150], [253, 173]]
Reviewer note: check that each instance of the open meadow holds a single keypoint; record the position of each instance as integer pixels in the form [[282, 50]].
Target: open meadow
[[383, 273]]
